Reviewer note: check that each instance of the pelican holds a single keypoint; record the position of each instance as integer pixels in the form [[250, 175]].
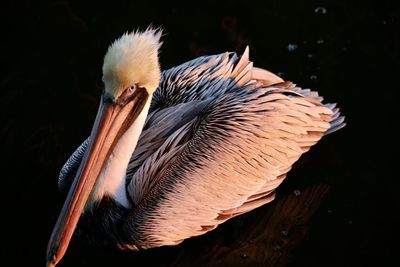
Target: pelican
[[173, 154]]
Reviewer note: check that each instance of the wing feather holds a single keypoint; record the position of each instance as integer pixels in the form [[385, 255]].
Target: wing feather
[[239, 149]]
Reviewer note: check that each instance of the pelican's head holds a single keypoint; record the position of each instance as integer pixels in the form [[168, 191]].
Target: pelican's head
[[132, 60], [131, 74]]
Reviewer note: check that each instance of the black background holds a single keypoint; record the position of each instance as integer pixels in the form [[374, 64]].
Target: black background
[[51, 57]]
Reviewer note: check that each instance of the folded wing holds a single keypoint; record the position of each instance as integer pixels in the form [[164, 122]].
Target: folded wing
[[240, 131]]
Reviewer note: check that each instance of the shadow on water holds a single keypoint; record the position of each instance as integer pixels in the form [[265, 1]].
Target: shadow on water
[[51, 58]]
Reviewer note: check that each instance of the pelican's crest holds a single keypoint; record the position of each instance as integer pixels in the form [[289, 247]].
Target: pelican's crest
[[133, 58]]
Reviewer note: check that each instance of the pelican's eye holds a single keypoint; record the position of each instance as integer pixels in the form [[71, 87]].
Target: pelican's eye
[[128, 94]]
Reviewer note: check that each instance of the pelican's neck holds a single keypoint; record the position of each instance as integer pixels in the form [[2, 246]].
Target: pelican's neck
[[112, 180]]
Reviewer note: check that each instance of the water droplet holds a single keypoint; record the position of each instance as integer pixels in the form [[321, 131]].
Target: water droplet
[[281, 74], [309, 55], [292, 47], [384, 22], [330, 211], [320, 41], [320, 10], [350, 222], [296, 192], [244, 256], [284, 233], [313, 77]]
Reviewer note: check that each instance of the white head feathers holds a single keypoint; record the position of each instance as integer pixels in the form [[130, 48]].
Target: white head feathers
[[133, 58]]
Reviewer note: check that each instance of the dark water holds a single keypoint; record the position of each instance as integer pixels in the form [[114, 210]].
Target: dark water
[[51, 58]]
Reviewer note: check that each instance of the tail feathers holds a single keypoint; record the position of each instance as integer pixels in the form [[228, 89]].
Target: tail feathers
[[245, 73], [337, 121]]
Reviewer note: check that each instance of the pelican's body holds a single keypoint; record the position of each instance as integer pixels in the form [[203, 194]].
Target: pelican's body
[[213, 141]]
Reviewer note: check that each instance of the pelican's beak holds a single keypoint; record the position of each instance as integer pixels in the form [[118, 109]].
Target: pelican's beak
[[111, 123]]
